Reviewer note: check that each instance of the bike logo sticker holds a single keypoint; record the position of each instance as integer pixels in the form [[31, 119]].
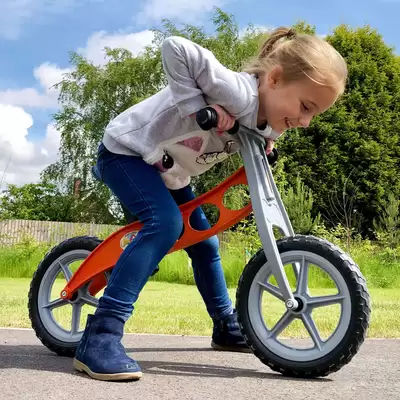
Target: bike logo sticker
[[127, 238]]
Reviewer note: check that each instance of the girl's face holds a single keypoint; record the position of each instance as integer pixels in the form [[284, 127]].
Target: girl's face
[[293, 104]]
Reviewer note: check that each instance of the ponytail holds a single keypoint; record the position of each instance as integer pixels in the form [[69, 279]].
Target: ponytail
[[274, 39]]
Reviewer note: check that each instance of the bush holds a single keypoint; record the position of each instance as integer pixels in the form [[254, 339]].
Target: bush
[[298, 201]]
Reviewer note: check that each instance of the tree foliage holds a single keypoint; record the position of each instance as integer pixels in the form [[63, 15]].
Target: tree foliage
[[352, 147], [46, 202], [32, 201], [355, 144]]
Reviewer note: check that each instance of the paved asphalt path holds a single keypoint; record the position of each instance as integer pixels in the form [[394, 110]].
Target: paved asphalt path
[[182, 367]]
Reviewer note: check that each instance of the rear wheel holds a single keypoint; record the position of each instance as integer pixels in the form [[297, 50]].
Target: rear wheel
[[57, 322]]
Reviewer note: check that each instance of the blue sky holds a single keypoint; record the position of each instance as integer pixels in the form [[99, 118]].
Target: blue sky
[[36, 37]]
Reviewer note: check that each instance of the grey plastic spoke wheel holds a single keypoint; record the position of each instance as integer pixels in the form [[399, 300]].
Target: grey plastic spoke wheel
[[302, 283], [283, 323], [90, 300], [59, 338], [62, 264], [55, 304], [66, 271], [321, 347], [271, 289], [76, 317], [291, 357], [323, 301], [312, 330]]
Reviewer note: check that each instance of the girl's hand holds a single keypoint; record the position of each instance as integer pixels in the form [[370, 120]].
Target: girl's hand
[[225, 120], [270, 146]]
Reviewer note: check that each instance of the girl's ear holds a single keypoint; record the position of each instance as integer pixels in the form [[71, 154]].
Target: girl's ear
[[275, 77]]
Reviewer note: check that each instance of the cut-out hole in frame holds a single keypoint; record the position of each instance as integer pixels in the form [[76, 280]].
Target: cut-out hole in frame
[[236, 197], [211, 214]]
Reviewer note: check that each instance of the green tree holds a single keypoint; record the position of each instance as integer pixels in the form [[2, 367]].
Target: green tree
[[46, 202], [357, 137], [298, 201], [387, 224], [36, 202], [356, 141], [90, 97]]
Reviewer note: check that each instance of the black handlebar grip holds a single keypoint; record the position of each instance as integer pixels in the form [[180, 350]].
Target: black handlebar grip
[[207, 118], [235, 129], [272, 157]]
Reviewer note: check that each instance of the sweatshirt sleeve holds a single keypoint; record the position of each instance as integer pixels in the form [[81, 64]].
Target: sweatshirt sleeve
[[197, 78]]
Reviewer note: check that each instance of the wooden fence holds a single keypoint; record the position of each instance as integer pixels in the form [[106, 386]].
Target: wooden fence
[[50, 232]]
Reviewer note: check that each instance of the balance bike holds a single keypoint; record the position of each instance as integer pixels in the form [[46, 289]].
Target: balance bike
[[300, 252]]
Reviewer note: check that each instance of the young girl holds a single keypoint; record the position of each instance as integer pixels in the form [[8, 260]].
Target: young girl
[[150, 151]]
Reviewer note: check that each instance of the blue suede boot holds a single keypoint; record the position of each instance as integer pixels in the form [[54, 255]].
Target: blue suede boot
[[227, 336], [101, 354]]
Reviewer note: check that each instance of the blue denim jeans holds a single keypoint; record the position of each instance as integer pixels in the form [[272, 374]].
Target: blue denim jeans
[[141, 190]]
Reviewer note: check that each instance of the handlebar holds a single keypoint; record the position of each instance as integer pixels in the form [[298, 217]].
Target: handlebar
[[207, 118]]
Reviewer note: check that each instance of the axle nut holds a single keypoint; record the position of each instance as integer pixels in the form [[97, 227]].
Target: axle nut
[[290, 304]]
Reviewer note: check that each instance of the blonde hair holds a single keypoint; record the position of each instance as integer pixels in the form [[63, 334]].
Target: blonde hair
[[300, 55]]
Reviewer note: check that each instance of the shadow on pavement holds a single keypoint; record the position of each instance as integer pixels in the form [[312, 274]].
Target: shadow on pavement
[[32, 357]]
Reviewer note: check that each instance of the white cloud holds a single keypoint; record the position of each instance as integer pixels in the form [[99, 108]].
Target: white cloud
[[134, 42], [15, 13], [179, 10], [51, 142], [47, 75], [21, 159], [27, 97], [24, 159]]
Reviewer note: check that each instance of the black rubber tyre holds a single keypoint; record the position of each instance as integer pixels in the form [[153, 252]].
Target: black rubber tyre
[[360, 310], [59, 347]]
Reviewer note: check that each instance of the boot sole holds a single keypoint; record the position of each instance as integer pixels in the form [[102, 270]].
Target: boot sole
[[234, 349], [106, 377]]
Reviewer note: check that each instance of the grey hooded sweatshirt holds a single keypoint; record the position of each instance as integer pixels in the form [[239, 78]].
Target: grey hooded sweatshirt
[[161, 125]]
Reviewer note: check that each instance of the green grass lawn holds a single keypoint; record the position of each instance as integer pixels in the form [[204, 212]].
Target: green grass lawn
[[178, 309]]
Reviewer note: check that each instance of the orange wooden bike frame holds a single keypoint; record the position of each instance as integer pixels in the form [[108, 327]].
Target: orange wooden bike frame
[[106, 254]]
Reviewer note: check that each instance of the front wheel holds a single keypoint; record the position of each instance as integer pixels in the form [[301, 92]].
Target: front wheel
[[346, 289]]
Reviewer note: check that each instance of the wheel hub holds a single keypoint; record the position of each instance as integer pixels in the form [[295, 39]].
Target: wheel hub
[[301, 304], [74, 297], [298, 305]]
